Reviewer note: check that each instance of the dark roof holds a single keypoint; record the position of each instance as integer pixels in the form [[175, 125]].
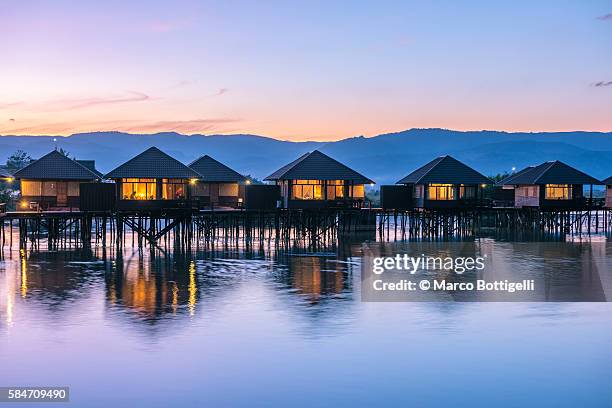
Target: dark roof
[[445, 169], [505, 180], [212, 170], [91, 165], [4, 173], [153, 163], [55, 166], [608, 181], [317, 166], [553, 172]]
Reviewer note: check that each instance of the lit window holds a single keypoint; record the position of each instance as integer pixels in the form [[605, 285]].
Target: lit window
[[335, 189], [173, 189], [358, 191], [307, 190], [138, 189], [441, 192], [558, 191]]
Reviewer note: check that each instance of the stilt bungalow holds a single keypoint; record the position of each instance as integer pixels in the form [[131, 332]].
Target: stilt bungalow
[[315, 180], [446, 183], [552, 184], [608, 184], [153, 181], [219, 185], [52, 182]]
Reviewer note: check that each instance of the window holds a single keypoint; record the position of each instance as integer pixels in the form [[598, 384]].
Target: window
[[558, 191], [467, 192], [173, 189], [441, 192], [31, 188], [335, 189], [418, 191], [358, 191], [307, 190], [200, 190], [228, 189], [138, 189]]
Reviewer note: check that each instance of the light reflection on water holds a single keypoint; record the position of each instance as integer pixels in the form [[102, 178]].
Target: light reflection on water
[[236, 328]]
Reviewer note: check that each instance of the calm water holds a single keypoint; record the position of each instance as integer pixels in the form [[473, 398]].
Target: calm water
[[231, 328]]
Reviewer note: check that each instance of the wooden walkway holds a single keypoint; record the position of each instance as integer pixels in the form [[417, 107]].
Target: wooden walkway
[[281, 228]]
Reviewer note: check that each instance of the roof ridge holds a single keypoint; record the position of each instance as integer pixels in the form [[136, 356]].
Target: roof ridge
[[341, 164], [86, 168], [552, 163], [428, 171], [217, 162], [292, 164], [433, 163], [155, 149], [288, 170]]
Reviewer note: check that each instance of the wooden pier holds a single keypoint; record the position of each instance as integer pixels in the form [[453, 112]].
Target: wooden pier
[[282, 228]]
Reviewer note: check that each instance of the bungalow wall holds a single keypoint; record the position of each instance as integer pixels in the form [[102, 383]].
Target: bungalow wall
[[503, 196], [550, 196], [396, 197], [46, 194], [261, 196], [218, 194], [313, 194], [526, 196], [609, 196]]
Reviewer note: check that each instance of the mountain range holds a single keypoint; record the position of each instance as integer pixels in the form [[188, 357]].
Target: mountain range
[[385, 158]]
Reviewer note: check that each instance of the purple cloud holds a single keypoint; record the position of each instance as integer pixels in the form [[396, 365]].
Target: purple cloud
[[602, 83], [605, 17], [69, 104], [58, 105], [191, 126]]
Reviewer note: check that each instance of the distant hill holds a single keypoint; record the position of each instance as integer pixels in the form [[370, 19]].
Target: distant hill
[[384, 158]]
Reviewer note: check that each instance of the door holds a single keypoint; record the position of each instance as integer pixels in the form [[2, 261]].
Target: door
[[214, 194], [62, 194]]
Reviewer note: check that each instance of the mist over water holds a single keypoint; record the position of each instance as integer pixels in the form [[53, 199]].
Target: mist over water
[[237, 327]]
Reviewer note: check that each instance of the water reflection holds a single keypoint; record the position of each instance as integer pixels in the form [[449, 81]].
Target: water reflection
[[53, 278], [235, 323], [151, 288], [568, 271]]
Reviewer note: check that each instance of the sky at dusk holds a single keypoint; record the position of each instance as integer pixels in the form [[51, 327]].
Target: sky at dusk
[[304, 70]]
